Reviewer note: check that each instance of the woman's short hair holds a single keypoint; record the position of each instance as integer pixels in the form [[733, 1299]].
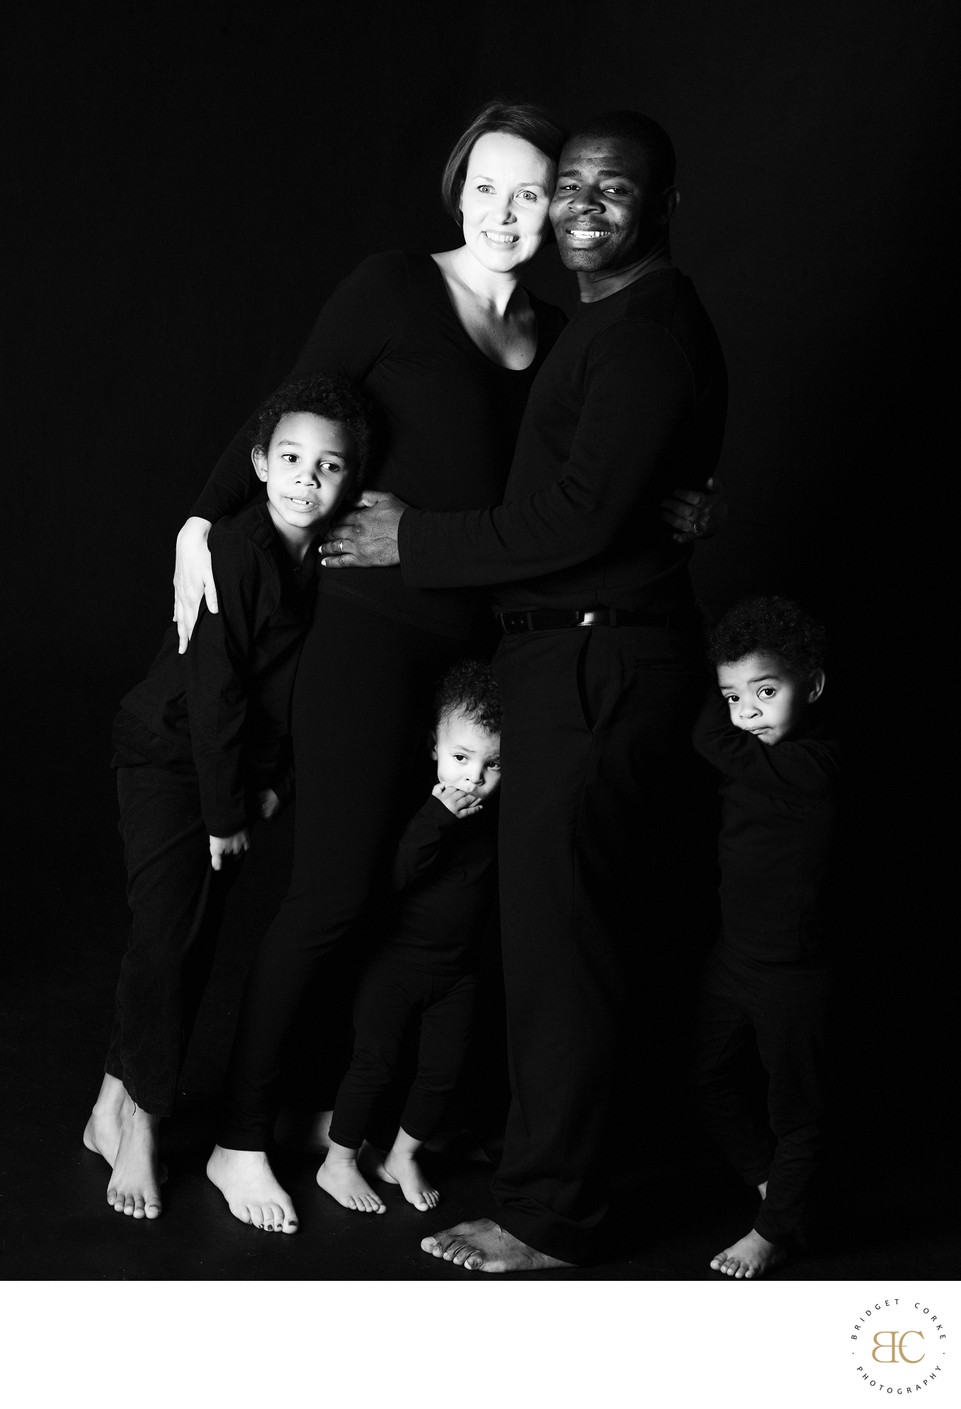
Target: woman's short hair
[[528, 121]]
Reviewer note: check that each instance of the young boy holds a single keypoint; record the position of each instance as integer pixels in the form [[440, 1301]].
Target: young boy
[[202, 749], [422, 976], [769, 972]]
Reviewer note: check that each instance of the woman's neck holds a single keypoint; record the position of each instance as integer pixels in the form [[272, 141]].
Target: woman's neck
[[491, 288]]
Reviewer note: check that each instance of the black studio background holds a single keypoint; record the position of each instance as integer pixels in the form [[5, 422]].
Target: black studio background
[[187, 183]]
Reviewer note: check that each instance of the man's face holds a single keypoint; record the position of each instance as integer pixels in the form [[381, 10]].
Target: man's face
[[605, 213]]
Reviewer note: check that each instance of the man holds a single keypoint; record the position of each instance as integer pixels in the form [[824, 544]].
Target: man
[[599, 670]]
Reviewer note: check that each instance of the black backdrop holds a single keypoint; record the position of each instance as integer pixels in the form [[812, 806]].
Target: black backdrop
[[187, 184]]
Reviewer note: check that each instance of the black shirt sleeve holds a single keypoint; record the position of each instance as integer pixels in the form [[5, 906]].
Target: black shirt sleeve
[[637, 388], [803, 767], [216, 670], [421, 842]]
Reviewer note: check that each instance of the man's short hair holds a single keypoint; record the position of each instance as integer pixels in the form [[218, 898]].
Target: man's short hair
[[769, 626], [635, 127]]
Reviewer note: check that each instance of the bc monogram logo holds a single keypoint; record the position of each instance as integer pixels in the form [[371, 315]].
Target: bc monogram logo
[[901, 1362], [895, 1345]]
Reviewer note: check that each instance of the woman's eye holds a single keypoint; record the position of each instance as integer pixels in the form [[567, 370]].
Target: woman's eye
[[527, 195], [484, 189]]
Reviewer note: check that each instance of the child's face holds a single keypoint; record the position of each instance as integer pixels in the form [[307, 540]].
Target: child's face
[[309, 463], [764, 698], [467, 756]]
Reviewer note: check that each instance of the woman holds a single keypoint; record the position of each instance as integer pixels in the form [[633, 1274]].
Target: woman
[[447, 346]]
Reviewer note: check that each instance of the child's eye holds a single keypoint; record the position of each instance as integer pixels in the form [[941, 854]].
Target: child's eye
[[731, 699], [767, 692], [290, 457], [495, 767], [330, 467], [460, 757]]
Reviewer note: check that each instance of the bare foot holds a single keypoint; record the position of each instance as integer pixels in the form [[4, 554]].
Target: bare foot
[[342, 1180], [303, 1130], [750, 1256], [398, 1168], [483, 1246], [127, 1137], [249, 1185], [134, 1187]]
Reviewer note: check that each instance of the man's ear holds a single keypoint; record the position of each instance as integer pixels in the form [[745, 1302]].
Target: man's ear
[[672, 199], [260, 462], [816, 686]]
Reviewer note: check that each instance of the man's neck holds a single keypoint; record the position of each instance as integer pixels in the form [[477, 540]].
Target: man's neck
[[602, 283]]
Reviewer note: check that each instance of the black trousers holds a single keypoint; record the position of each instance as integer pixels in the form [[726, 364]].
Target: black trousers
[[176, 900], [362, 711], [785, 1007], [596, 760], [393, 999]]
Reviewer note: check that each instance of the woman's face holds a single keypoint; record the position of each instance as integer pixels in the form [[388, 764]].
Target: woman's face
[[505, 201]]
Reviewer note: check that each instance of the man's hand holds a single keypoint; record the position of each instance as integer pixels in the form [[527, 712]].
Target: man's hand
[[366, 537], [268, 804], [455, 800], [228, 846], [193, 577], [694, 513]]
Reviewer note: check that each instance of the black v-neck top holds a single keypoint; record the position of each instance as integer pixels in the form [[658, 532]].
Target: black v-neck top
[[449, 416]]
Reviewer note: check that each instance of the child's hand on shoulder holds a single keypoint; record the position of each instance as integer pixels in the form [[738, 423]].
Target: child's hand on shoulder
[[228, 846], [455, 800]]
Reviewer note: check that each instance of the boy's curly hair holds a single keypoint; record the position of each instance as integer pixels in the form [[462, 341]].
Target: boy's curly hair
[[330, 395], [470, 688], [769, 626]]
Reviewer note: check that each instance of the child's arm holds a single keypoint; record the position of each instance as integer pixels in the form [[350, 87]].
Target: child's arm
[[216, 670], [805, 766], [420, 844]]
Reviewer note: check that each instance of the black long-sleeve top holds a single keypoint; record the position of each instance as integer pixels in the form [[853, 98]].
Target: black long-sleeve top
[[630, 404], [449, 416], [223, 707], [778, 821], [444, 877]]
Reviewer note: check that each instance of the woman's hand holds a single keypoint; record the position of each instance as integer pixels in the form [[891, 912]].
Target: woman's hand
[[193, 578], [694, 513], [366, 536], [228, 846]]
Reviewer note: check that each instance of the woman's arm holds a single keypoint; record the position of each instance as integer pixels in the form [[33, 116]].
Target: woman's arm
[[348, 337]]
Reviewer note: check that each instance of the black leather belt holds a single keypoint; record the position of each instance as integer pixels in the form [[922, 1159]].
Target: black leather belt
[[550, 618]]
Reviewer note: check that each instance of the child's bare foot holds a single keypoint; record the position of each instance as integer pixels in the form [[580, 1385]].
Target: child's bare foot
[[342, 1180], [750, 1256], [484, 1246], [303, 1130], [249, 1185], [398, 1167], [126, 1137]]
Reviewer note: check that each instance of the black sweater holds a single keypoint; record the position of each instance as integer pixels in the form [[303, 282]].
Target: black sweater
[[779, 812], [629, 405], [449, 416], [445, 873], [223, 707]]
